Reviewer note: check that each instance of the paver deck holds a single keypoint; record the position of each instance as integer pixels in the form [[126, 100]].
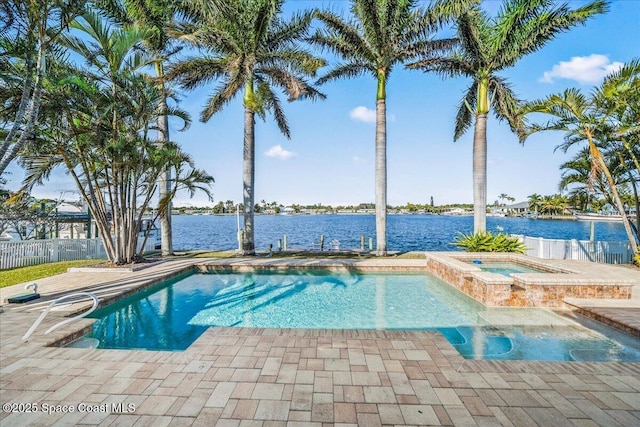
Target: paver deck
[[250, 376]]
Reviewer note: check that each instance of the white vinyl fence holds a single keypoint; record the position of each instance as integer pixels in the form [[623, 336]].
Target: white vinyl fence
[[582, 250], [22, 253]]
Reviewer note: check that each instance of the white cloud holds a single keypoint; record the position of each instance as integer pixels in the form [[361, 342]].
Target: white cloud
[[279, 152], [583, 69], [358, 159], [363, 114]]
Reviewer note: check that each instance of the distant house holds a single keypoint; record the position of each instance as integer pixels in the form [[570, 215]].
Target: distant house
[[457, 212], [517, 209]]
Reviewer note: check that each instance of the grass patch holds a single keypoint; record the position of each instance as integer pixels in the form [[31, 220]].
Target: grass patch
[[33, 272]]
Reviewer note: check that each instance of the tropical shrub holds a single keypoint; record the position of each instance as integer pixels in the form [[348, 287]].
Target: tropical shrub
[[485, 241]]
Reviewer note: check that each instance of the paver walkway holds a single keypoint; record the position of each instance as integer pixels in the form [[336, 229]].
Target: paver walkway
[[247, 376]]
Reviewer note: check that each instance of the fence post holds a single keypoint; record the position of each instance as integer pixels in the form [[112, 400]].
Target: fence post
[[574, 250], [540, 247], [55, 250]]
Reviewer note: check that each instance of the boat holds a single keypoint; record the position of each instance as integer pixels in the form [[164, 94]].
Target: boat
[[588, 216], [5, 237]]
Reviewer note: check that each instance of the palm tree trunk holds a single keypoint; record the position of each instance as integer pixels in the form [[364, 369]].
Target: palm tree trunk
[[597, 156], [22, 108], [480, 173], [32, 111], [164, 183], [381, 177], [248, 170]]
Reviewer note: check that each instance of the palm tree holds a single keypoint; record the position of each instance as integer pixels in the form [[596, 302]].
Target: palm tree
[[97, 127], [250, 49], [157, 18], [535, 201], [581, 175], [385, 33], [31, 29], [505, 196], [619, 95], [582, 120], [490, 45]]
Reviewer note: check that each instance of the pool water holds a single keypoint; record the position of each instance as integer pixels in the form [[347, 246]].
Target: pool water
[[506, 268], [172, 315]]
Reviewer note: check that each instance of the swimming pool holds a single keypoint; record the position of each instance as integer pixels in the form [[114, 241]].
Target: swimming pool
[[174, 314], [506, 268]]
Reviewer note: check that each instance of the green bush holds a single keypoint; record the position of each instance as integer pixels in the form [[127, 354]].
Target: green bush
[[636, 259], [485, 241]]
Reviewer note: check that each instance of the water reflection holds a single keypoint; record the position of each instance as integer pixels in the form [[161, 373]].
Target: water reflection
[[173, 315]]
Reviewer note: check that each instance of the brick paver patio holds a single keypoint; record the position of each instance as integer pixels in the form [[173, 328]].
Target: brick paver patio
[[248, 376]]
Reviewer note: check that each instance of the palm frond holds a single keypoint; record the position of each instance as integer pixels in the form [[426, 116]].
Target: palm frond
[[195, 71], [451, 66], [272, 103], [351, 70], [473, 30], [343, 38], [293, 85], [542, 24], [231, 85], [433, 49], [464, 118], [506, 106]]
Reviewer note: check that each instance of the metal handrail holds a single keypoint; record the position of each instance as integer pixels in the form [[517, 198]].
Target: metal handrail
[[66, 321]]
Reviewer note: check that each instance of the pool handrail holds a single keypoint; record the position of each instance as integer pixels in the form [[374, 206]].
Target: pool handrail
[[66, 321]]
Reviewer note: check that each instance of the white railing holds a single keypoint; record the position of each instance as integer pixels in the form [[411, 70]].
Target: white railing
[[31, 252], [63, 322], [581, 250]]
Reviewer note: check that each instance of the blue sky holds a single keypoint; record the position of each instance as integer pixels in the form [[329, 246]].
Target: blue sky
[[330, 157]]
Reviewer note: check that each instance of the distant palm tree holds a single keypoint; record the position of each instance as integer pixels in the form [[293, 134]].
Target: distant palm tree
[[504, 196], [493, 44], [385, 33], [580, 175], [250, 49], [535, 201]]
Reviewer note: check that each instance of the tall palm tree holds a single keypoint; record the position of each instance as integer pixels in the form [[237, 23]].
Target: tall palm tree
[[385, 33], [490, 45], [157, 17], [580, 118], [249, 48]]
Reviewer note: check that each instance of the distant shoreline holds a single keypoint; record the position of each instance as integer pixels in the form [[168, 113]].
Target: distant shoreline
[[544, 217]]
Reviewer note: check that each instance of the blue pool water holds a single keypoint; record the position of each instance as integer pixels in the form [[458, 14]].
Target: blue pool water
[[173, 315], [506, 268]]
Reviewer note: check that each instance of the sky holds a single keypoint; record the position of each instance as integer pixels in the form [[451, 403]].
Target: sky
[[330, 156]]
